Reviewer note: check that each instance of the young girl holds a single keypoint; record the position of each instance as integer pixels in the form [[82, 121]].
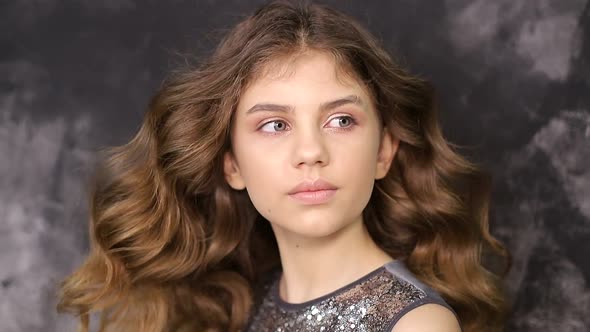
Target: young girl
[[296, 181]]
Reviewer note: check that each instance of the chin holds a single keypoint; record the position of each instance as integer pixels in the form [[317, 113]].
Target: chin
[[318, 233], [314, 229]]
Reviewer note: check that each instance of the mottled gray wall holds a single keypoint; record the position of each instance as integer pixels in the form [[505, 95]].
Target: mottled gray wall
[[514, 79]]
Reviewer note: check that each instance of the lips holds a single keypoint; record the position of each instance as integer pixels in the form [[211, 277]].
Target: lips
[[313, 192], [309, 186]]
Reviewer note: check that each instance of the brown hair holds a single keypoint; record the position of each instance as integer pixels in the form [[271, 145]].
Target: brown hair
[[172, 245]]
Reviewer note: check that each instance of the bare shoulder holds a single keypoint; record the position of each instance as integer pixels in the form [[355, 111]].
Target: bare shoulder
[[429, 317]]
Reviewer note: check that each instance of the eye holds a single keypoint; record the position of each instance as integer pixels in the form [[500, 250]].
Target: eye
[[344, 121], [273, 126]]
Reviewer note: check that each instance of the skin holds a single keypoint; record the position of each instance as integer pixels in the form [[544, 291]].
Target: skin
[[326, 246], [317, 243]]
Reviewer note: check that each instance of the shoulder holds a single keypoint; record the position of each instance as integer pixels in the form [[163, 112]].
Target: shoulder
[[430, 317], [426, 313]]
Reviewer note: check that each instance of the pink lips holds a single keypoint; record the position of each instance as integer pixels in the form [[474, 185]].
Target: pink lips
[[316, 192]]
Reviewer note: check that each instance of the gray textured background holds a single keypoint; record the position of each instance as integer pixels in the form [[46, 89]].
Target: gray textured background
[[514, 79]]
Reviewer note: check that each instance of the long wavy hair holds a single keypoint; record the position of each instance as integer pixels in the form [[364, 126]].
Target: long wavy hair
[[173, 247]]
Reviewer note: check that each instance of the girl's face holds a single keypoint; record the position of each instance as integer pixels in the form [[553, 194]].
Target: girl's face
[[300, 127]]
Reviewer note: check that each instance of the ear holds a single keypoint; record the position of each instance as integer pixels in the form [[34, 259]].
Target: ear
[[232, 172], [387, 150]]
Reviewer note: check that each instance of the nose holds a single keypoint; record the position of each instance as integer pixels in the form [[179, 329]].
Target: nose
[[309, 149]]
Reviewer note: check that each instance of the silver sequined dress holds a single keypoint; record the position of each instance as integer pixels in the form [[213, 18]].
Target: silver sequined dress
[[374, 302]]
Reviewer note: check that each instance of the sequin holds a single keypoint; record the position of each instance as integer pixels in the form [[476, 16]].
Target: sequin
[[368, 304]]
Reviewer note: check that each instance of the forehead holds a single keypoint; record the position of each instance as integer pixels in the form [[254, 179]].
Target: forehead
[[309, 74]]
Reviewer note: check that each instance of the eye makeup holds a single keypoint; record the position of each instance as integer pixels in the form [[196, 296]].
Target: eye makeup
[[352, 122]]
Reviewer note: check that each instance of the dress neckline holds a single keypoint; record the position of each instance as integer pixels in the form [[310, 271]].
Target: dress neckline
[[274, 291]]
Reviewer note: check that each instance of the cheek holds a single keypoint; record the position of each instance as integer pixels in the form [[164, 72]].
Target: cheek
[[359, 154], [264, 192], [261, 184], [358, 164], [361, 174], [260, 170], [258, 175]]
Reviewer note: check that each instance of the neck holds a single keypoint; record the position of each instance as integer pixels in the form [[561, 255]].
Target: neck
[[313, 267]]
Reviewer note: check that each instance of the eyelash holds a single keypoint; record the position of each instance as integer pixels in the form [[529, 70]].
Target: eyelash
[[353, 123]]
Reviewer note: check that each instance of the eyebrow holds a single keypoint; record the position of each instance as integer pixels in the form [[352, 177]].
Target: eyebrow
[[325, 106]]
